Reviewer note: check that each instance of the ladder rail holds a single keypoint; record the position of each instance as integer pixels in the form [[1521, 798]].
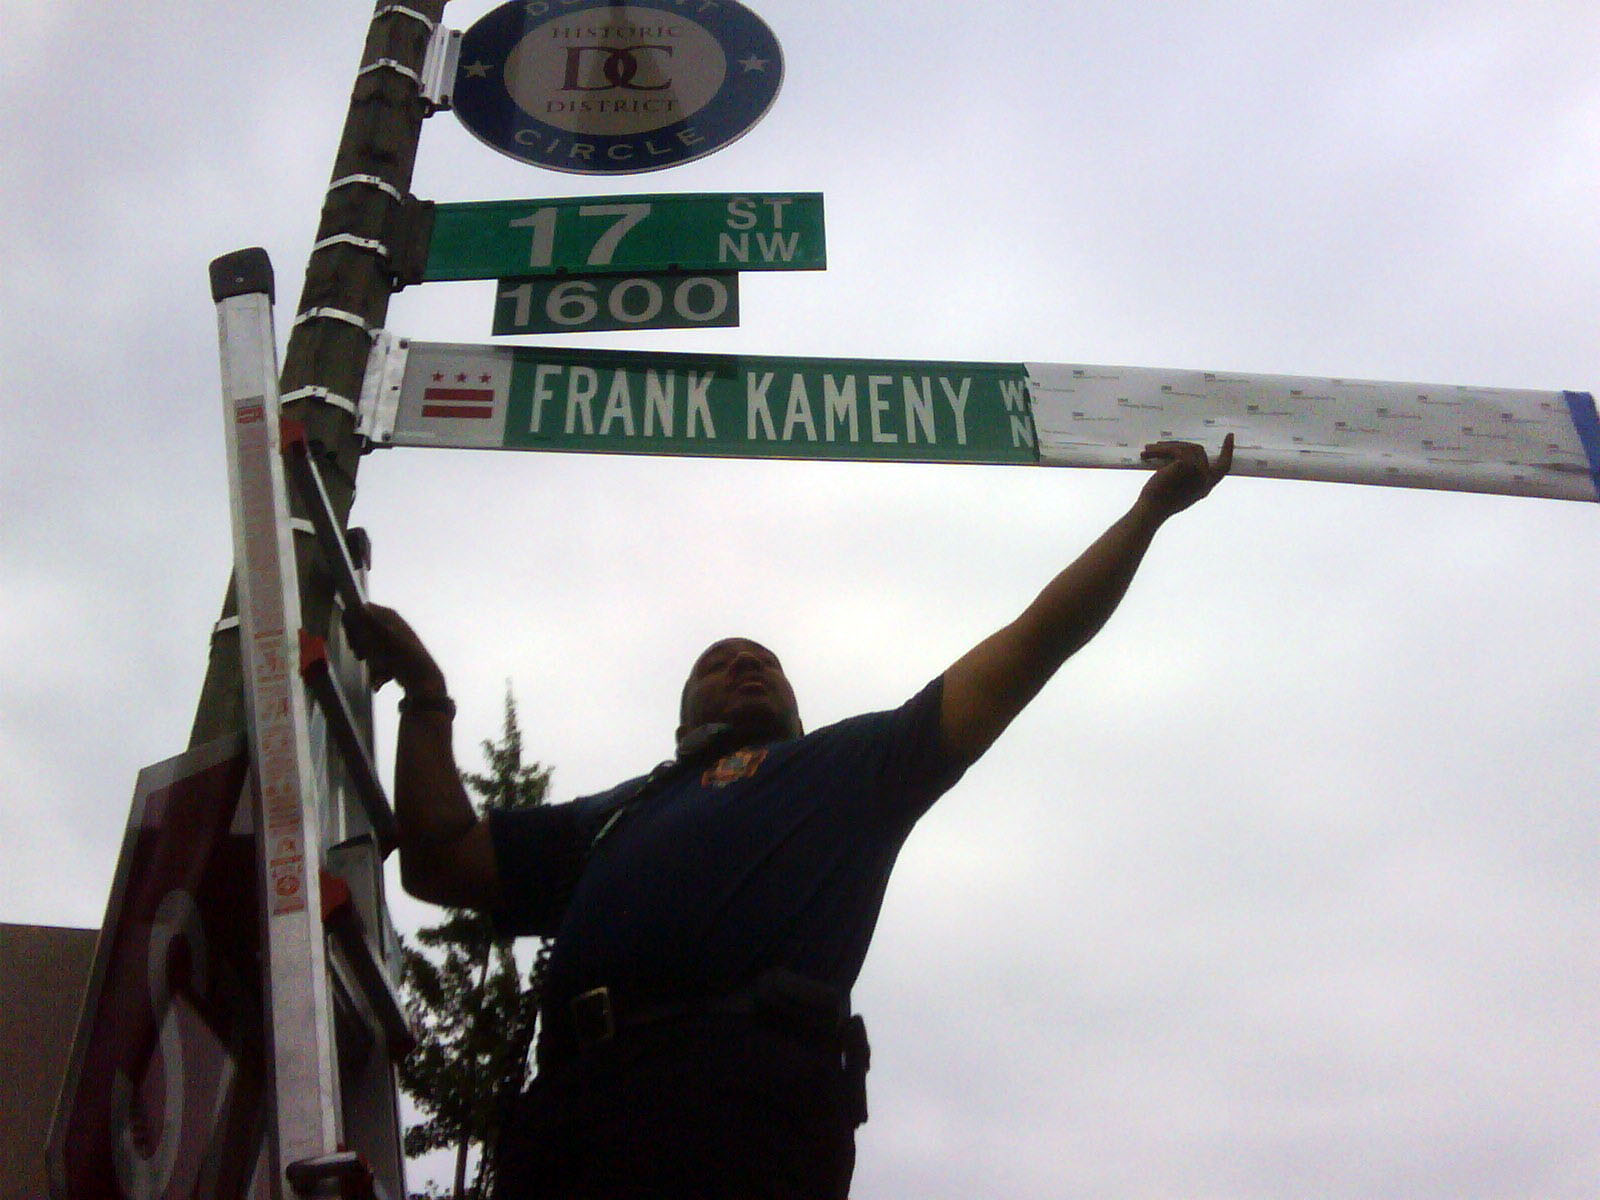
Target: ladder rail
[[304, 1102], [317, 670], [357, 953], [307, 480]]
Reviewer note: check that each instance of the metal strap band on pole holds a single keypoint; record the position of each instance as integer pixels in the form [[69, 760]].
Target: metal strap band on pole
[[369, 181], [332, 314], [349, 239], [401, 10], [322, 396], [390, 64]]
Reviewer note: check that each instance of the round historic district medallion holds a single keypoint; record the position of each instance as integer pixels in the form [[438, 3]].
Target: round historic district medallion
[[598, 87]]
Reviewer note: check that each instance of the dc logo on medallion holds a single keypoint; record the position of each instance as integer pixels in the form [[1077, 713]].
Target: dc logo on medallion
[[600, 88]]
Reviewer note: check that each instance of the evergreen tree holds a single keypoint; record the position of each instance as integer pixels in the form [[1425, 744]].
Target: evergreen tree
[[473, 1019]]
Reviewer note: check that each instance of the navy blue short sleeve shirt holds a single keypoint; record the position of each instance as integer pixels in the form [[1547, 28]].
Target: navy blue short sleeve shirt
[[773, 856]]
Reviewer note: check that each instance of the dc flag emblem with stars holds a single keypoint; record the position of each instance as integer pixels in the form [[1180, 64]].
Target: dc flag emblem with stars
[[459, 396], [598, 88]]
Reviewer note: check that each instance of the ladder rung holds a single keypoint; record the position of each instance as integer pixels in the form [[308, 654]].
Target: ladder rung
[[308, 483], [344, 922], [343, 1174], [317, 671]]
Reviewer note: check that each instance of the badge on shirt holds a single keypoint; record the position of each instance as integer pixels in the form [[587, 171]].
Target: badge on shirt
[[741, 764]]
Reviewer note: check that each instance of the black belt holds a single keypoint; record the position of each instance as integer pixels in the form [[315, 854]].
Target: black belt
[[794, 1002], [812, 1011]]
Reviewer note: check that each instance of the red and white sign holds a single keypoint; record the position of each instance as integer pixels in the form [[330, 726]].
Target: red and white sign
[[459, 400], [162, 1099]]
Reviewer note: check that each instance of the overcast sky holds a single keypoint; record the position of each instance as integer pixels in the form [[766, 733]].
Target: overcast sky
[[1286, 887]]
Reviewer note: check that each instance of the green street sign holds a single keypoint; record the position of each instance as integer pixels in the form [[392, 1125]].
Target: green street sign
[[723, 405], [1504, 441], [499, 239], [659, 300]]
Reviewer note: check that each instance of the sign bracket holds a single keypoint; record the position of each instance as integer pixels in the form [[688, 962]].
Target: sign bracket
[[439, 64], [380, 387], [410, 225]]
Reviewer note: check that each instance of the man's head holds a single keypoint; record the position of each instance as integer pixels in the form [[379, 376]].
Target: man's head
[[741, 683]]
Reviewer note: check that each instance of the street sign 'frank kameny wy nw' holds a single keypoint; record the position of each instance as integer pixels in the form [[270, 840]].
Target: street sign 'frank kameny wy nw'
[[1508, 441], [632, 402]]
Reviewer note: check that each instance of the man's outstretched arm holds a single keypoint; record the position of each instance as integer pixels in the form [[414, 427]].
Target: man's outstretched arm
[[990, 684], [445, 853]]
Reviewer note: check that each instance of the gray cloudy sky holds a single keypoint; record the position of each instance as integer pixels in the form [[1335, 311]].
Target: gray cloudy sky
[[1286, 887]]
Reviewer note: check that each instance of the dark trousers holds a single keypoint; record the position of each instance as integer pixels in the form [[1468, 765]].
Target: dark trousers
[[709, 1108]]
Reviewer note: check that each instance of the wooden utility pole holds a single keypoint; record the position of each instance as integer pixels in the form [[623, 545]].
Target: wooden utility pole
[[365, 243]]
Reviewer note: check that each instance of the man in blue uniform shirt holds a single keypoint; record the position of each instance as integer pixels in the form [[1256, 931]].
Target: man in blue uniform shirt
[[710, 919]]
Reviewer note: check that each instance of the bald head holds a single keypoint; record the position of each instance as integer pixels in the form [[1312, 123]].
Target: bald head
[[739, 682]]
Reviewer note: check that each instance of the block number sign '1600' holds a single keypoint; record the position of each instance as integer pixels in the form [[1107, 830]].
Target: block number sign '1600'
[[659, 300]]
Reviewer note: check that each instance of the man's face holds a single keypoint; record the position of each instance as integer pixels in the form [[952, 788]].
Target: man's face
[[741, 683]]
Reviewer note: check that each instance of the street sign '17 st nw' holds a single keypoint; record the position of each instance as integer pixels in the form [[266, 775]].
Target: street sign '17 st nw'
[[506, 239]]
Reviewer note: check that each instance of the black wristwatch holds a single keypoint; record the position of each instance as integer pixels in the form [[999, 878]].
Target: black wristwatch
[[436, 704]]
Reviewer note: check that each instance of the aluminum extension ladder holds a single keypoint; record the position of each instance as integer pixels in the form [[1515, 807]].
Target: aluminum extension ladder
[[333, 1020]]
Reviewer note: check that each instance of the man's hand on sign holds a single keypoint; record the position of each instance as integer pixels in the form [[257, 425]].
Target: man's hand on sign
[[1184, 474], [391, 649]]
